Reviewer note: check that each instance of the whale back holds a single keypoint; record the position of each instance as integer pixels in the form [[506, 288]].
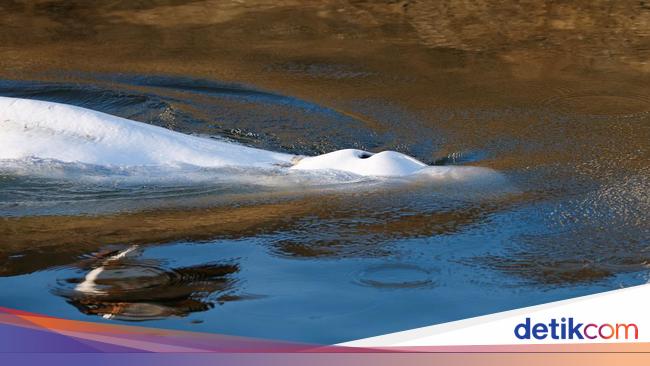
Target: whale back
[[68, 133]]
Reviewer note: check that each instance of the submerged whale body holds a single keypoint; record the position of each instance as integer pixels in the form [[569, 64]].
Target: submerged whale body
[[47, 130]]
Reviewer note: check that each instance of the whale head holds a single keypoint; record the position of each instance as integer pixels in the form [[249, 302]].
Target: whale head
[[385, 163]]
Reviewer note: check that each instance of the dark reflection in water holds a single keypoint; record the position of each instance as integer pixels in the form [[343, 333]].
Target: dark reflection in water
[[553, 95], [127, 288]]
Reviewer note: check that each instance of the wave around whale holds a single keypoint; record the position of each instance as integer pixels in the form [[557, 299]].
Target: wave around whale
[[60, 133]]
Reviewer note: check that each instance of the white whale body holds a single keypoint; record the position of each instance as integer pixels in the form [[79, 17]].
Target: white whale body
[[47, 130]]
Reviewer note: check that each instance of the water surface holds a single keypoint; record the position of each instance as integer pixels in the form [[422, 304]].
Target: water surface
[[553, 96]]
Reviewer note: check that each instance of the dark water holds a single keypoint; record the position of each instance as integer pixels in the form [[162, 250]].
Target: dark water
[[553, 96]]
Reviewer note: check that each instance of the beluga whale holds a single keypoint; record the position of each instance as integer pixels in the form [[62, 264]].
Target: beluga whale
[[71, 134]]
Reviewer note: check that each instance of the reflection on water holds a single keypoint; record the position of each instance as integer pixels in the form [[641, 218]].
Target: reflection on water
[[552, 95], [126, 288]]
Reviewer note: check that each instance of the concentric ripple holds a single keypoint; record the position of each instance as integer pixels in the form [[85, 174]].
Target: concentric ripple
[[395, 276]]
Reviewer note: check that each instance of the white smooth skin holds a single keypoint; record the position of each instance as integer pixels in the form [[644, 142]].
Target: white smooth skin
[[385, 163], [46, 130], [36, 129]]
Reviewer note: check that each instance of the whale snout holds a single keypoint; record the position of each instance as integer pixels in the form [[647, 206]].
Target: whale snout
[[385, 163]]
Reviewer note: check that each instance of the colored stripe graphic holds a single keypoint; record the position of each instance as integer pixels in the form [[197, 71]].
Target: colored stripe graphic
[[35, 333]]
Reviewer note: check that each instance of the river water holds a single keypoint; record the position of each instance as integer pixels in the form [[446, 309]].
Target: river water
[[555, 97]]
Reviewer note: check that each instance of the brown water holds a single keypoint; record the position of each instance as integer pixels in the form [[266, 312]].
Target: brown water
[[556, 96]]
